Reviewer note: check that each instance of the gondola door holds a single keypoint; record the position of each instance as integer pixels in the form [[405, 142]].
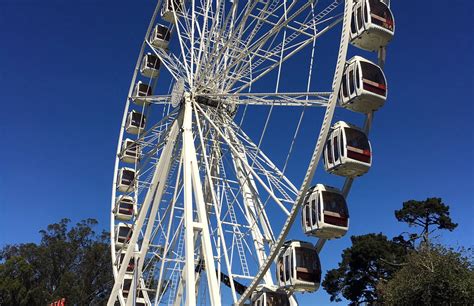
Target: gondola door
[[358, 78], [328, 153], [367, 20], [311, 216], [288, 268], [359, 19], [336, 144], [351, 81]]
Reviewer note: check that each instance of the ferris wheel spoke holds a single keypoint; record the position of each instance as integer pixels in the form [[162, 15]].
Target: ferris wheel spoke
[[170, 61], [171, 240], [239, 245], [236, 41], [202, 33], [283, 59], [244, 163], [290, 45], [249, 52], [276, 181], [238, 229], [257, 239], [217, 44], [233, 38], [257, 19], [184, 48], [258, 153]]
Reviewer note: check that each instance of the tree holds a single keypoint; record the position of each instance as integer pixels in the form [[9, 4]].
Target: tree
[[431, 276], [73, 263], [371, 258], [425, 214]]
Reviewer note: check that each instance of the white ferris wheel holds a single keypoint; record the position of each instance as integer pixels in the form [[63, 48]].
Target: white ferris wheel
[[205, 193]]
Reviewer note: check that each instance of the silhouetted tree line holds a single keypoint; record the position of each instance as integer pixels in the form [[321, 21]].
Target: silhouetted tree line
[[69, 262], [407, 270]]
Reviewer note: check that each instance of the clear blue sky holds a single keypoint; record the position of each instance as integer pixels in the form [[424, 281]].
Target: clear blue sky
[[65, 69]]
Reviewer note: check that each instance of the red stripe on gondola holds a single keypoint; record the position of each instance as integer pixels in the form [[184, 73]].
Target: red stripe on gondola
[[335, 220], [383, 22], [363, 157], [376, 89]]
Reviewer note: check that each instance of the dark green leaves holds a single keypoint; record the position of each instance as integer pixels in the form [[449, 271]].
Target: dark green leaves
[[426, 214], [70, 262], [371, 258]]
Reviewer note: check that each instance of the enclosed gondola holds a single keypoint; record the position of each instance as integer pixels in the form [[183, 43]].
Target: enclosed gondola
[[298, 267], [150, 66], [127, 284], [364, 86], [130, 151], [135, 122], [140, 92], [170, 8], [131, 263], [372, 24], [126, 180], [123, 233], [160, 36], [125, 208], [266, 295], [347, 152], [325, 214]]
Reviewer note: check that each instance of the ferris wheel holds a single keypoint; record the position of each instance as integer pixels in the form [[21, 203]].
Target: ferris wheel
[[220, 116]]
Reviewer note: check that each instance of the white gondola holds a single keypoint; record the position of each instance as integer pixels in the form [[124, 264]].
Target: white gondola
[[131, 263], [160, 36], [298, 267], [372, 25], [347, 152], [266, 295], [364, 86], [127, 284], [140, 92], [135, 122], [325, 213], [123, 233], [125, 208], [169, 8], [130, 151], [126, 180], [150, 66]]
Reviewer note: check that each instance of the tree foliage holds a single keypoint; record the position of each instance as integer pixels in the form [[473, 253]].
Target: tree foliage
[[376, 270], [371, 258], [426, 214], [431, 276], [68, 262]]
